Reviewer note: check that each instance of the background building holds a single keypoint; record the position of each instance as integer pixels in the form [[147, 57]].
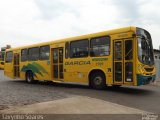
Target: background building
[[157, 62]]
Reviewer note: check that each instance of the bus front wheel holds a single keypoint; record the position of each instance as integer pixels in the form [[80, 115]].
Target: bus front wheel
[[98, 80]]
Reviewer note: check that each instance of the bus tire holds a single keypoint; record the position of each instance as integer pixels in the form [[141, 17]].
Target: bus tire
[[98, 80], [30, 78]]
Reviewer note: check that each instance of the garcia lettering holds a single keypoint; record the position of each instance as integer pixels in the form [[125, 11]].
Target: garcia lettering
[[78, 63]]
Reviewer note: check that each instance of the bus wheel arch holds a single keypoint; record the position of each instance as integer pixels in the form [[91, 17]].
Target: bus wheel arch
[[97, 79]]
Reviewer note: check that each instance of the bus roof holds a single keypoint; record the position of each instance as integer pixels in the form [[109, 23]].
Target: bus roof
[[108, 32]]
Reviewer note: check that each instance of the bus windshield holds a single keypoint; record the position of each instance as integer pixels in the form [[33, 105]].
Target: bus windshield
[[145, 48]]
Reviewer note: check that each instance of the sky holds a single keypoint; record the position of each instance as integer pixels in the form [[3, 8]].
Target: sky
[[25, 22]]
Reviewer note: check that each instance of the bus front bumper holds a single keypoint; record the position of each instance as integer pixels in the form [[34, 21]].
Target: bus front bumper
[[143, 80]]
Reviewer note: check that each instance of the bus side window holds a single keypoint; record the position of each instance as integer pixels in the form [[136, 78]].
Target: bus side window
[[33, 54], [44, 52], [9, 57], [67, 50], [24, 55], [100, 46], [79, 49]]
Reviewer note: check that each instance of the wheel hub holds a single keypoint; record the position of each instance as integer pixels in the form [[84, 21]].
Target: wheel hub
[[98, 80]]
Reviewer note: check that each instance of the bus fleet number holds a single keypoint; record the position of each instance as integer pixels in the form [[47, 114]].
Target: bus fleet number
[[99, 63]]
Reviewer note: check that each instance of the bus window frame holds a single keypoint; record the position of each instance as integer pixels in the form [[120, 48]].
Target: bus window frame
[[40, 53], [67, 47], [6, 57], [27, 54], [109, 46], [76, 41]]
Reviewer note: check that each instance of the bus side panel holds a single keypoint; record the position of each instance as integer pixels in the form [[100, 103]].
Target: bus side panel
[[104, 64], [40, 69], [1, 66], [8, 69], [22, 73], [76, 70], [43, 72]]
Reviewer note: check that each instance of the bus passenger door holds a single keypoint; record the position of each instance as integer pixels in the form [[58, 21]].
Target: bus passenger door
[[8, 67], [128, 61], [57, 64], [118, 61], [16, 65], [123, 61]]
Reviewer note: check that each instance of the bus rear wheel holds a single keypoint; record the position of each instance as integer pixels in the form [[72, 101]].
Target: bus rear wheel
[[30, 78], [98, 80]]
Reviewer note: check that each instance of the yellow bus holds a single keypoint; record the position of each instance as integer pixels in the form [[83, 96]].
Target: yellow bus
[[2, 53], [2, 60], [116, 57]]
